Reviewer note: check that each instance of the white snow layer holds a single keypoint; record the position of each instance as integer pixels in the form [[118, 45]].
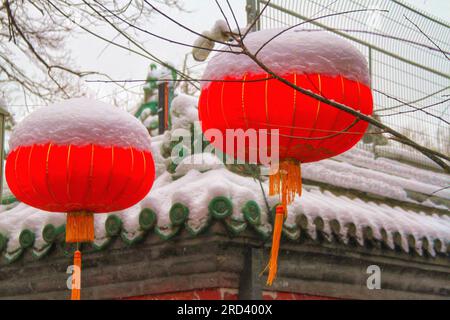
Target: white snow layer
[[184, 111], [200, 161], [205, 43], [81, 121], [297, 51]]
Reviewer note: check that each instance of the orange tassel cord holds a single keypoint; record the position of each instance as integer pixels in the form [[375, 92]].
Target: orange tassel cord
[[287, 182], [79, 228], [76, 277]]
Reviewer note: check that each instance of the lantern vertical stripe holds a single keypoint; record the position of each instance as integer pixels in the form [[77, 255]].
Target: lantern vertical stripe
[[143, 174], [128, 174], [205, 117], [353, 100], [134, 177], [293, 118], [88, 195], [103, 186], [149, 176], [277, 96], [334, 129], [221, 105], [69, 149], [13, 186], [40, 174], [319, 104], [266, 104], [329, 88], [19, 166], [119, 174], [253, 95], [201, 112], [336, 111], [101, 172], [110, 175], [28, 172], [49, 188], [307, 112], [360, 124], [244, 114], [57, 173], [208, 115]]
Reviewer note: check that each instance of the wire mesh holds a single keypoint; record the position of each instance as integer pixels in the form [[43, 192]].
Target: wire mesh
[[406, 50]]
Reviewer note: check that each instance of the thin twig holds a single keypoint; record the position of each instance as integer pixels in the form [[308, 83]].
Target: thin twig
[[431, 40], [421, 109]]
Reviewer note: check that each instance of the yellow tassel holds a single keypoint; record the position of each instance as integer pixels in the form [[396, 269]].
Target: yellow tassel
[[76, 276], [287, 182], [80, 227]]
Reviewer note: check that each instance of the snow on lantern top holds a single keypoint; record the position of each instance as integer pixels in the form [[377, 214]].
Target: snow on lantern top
[[80, 122], [300, 51]]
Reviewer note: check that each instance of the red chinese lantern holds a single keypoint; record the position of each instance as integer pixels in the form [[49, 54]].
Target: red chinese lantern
[[241, 95], [80, 157]]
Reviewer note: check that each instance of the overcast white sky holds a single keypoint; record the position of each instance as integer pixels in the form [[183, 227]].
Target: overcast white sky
[[91, 53]]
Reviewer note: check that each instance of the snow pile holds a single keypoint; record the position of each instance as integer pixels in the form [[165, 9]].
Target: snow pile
[[79, 122], [388, 185], [160, 162], [183, 111], [361, 158], [21, 217], [160, 73], [378, 217], [149, 120], [347, 176], [220, 31], [200, 161], [206, 42], [206, 186], [293, 51], [394, 152]]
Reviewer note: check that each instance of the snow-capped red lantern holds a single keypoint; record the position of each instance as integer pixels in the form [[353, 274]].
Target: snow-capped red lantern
[[80, 157], [242, 95]]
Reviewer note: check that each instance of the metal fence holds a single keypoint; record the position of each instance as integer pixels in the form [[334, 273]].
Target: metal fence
[[404, 74]]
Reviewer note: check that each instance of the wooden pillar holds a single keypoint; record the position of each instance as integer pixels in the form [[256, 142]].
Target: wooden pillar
[[163, 107]]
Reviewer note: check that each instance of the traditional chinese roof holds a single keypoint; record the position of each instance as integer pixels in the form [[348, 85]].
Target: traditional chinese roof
[[389, 208]]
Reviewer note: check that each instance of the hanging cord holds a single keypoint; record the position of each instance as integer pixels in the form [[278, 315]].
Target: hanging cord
[[76, 276], [266, 201], [287, 183]]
